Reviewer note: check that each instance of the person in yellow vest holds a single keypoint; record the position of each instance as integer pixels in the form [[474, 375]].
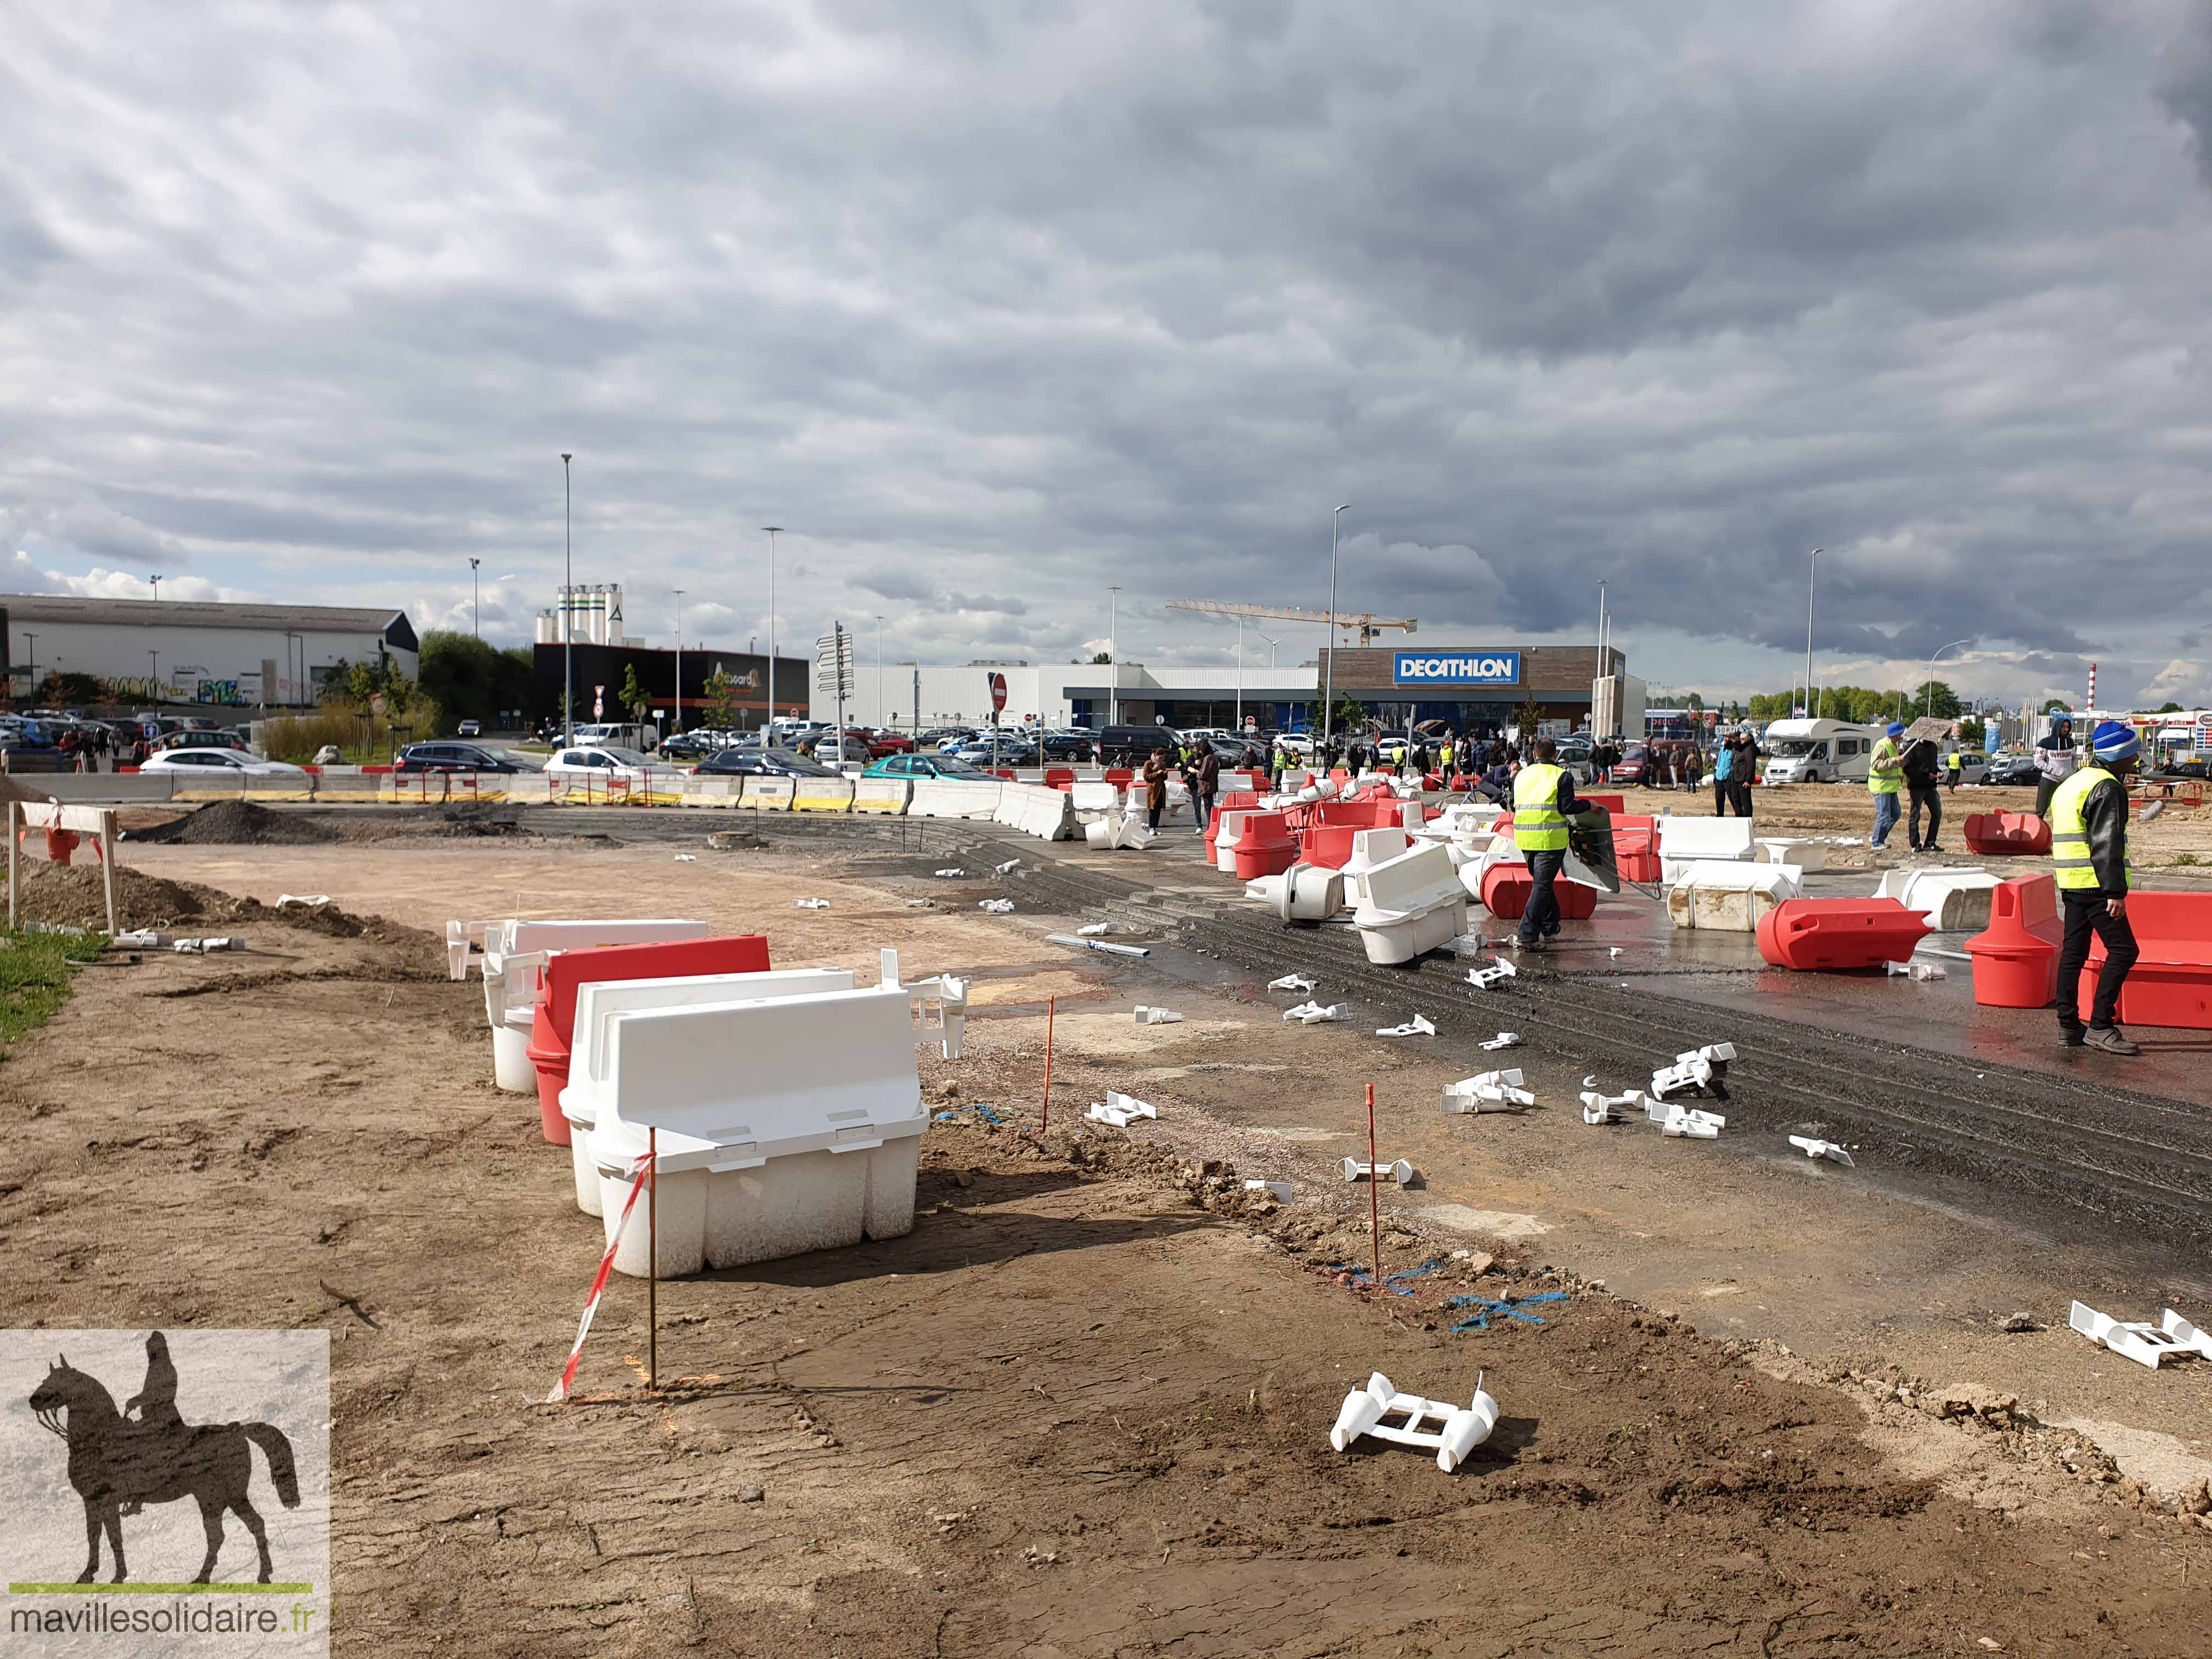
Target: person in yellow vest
[[1885, 777], [2089, 851], [1543, 796]]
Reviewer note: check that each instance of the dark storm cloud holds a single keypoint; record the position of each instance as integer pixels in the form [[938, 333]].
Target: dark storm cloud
[[995, 305]]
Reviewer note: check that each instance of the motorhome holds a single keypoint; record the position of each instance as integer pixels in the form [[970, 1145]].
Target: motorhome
[[1817, 751]]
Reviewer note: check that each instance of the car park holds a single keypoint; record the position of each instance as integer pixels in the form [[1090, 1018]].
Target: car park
[[205, 762], [452, 758], [739, 761]]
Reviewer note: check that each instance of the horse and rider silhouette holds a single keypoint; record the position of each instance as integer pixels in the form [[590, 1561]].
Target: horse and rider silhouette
[[119, 1465]]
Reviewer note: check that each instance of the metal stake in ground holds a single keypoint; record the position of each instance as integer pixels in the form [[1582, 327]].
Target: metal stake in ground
[[1374, 1191], [652, 1259], [1044, 1110]]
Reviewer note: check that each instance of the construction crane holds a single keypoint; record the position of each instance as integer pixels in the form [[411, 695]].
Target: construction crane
[[1368, 625]]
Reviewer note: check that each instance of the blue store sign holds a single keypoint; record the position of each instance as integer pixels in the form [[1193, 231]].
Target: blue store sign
[[1456, 668]]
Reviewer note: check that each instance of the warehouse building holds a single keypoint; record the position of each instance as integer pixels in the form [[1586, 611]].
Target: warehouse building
[[184, 651]]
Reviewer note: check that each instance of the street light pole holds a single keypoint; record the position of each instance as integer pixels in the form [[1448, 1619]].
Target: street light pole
[[567, 615], [1812, 576], [476, 597], [773, 531], [880, 710], [1928, 696], [1113, 660], [34, 639], [1240, 675], [156, 580], [679, 721], [1328, 686]]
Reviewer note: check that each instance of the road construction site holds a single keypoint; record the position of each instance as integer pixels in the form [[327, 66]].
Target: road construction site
[[1747, 1400]]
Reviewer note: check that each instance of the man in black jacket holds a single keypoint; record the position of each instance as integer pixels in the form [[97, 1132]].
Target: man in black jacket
[[2089, 857], [1921, 769]]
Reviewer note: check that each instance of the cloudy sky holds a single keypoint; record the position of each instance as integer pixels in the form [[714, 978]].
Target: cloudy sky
[[995, 304]]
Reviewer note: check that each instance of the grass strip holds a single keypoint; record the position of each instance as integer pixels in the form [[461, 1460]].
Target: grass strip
[[35, 976]]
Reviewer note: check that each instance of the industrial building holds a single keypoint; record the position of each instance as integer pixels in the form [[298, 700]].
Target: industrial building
[[186, 651], [1479, 689]]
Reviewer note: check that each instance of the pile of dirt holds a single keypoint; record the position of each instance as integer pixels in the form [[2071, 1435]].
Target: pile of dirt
[[74, 897], [240, 824]]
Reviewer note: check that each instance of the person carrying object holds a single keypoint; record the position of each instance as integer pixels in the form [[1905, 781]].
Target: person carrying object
[[1156, 787], [2056, 760], [1543, 796], [1920, 763], [2089, 855], [1885, 777]]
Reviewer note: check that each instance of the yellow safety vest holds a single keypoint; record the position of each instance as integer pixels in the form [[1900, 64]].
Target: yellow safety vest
[[2069, 833], [1538, 825], [1885, 753]]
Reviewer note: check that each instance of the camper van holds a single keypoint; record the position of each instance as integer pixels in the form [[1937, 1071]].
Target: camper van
[[1817, 751]]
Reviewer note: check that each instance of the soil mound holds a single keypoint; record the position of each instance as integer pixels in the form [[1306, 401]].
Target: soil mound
[[241, 823], [73, 896]]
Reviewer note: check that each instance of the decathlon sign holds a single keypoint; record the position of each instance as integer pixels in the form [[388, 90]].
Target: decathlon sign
[[1456, 668]]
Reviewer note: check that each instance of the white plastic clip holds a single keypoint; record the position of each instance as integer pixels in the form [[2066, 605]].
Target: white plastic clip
[[1121, 1110], [2144, 1343], [1503, 1040], [1402, 1172], [1312, 1013], [949, 873], [1291, 982], [1690, 1122], [1827, 1149], [1487, 1091], [1599, 1107], [1917, 970], [1417, 1026], [1095, 930], [996, 907], [1459, 1430], [1007, 868], [1157, 1016], [809, 904]]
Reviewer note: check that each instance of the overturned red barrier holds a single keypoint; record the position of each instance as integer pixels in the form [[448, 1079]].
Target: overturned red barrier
[[2016, 958], [1821, 935], [2172, 983], [553, 1025], [1266, 847], [1506, 887], [2004, 833]]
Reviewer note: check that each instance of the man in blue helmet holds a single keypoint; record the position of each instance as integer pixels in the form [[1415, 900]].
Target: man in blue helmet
[[2089, 853], [1885, 777]]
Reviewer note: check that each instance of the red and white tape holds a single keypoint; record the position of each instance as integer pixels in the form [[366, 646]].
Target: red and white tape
[[637, 1174]]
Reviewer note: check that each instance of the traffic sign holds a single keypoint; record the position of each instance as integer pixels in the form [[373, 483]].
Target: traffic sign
[[998, 691]]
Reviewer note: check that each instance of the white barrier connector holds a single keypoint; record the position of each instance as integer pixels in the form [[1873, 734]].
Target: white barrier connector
[[1312, 1013], [1419, 1025], [1291, 982], [193, 947], [287, 901], [1600, 1107], [2144, 1343], [1095, 930], [809, 904], [1281, 1189], [145, 938], [1402, 1172], [1157, 1016], [1691, 1123], [1919, 970], [1487, 1091], [1459, 1429], [1483, 978], [1121, 1110], [1701, 1069], [1097, 944], [1827, 1149], [1007, 868], [687, 858], [997, 906], [948, 872], [1503, 1040]]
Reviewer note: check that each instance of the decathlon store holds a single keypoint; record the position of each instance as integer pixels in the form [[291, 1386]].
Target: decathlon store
[[1479, 689]]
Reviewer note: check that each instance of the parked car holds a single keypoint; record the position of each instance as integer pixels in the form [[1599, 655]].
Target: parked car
[[923, 766], [1635, 761], [735, 761], [2012, 771], [232, 762], [1010, 750], [942, 737], [691, 745], [830, 747], [1131, 745], [605, 762], [1071, 746], [470, 729], [198, 740], [452, 758], [888, 742]]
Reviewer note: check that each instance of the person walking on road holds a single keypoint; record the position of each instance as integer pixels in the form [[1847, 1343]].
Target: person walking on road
[[2089, 853], [2056, 760], [1205, 786], [1920, 763], [1156, 787], [1543, 795], [1954, 763], [1885, 777]]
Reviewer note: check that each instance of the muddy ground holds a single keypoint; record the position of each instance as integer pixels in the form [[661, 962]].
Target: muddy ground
[[1082, 1409]]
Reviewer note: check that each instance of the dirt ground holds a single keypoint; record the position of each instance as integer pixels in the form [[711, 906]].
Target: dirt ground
[[1082, 1409]]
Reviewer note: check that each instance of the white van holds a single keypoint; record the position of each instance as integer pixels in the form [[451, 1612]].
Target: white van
[[1817, 751]]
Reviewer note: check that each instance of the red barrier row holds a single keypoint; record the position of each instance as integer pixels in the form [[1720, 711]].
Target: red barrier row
[[553, 1025], [1836, 933], [2172, 984]]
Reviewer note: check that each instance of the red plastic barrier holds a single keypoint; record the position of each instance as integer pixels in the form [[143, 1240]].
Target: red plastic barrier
[[1061, 778], [1006, 772], [2172, 985], [553, 1025], [1235, 800], [1615, 805], [1506, 887], [1341, 775], [1829, 933], [1120, 777], [1266, 847], [2001, 833], [1329, 845], [1636, 846], [2017, 960]]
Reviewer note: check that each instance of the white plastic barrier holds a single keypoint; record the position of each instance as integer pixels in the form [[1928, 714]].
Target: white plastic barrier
[[597, 1003], [696, 791], [511, 1072], [1369, 848], [768, 794], [1731, 897], [822, 794], [1045, 813], [784, 1125], [882, 794], [1686, 841], [1805, 855], [1305, 892], [954, 798], [1414, 903], [1118, 831], [1951, 899], [1095, 797]]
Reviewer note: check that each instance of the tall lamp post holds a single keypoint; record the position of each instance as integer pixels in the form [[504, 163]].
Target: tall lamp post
[[1927, 697], [34, 639], [1113, 660], [1328, 687], [567, 615], [773, 531], [475, 597], [679, 721], [1240, 676], [880, 710], [1812, 576]]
